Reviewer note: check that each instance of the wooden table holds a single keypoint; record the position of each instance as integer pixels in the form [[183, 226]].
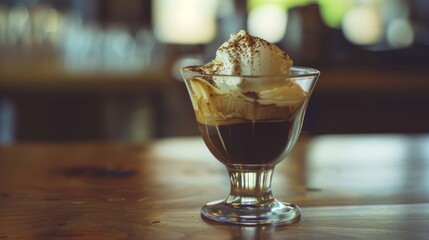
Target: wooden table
[[349, 187]]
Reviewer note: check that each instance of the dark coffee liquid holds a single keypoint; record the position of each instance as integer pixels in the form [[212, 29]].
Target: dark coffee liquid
[[247, 142]]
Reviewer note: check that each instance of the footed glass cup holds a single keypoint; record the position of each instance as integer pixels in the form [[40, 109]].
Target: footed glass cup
[[250, 123]]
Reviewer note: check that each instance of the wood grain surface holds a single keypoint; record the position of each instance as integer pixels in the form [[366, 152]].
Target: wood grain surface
[[348, 186]]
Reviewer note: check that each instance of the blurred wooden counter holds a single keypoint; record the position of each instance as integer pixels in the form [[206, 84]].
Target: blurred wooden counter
[[52, 76], [349, 187], [45, 100]]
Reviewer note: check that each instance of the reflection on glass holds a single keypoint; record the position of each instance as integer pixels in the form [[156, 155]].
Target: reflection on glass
[[254, 233]]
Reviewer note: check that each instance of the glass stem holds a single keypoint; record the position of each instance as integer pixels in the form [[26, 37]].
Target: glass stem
[[250, 186]]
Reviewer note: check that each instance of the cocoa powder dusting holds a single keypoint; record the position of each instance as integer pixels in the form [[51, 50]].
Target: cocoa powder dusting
[[237, 47]]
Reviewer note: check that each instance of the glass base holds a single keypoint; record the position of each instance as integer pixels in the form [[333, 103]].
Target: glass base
[[277, 213]]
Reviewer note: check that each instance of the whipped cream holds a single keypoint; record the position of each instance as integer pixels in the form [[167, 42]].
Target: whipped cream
[[244, 54]]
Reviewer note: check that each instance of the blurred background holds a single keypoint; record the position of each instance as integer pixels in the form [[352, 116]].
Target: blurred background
[[108, 70]]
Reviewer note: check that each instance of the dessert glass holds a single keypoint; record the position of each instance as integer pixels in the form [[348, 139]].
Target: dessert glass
[[250, 148]]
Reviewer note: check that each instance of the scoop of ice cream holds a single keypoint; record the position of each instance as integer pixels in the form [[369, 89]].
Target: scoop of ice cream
[[249, 80], [244, 54]]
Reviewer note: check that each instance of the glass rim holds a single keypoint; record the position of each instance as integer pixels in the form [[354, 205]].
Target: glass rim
[[309, 72]]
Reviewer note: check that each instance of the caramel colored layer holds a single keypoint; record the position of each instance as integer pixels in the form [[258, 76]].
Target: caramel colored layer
[[214, 107]]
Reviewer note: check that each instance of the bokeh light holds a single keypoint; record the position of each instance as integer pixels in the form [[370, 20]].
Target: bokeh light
[[362, 25], [268, 22], [288, 4], [185, 21], [400, 33], [333, 11]]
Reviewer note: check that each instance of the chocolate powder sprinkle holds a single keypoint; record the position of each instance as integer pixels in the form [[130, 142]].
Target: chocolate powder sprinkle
[[239, 43]]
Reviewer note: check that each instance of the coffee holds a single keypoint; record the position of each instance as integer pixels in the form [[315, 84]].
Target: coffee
[[248, 142]]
